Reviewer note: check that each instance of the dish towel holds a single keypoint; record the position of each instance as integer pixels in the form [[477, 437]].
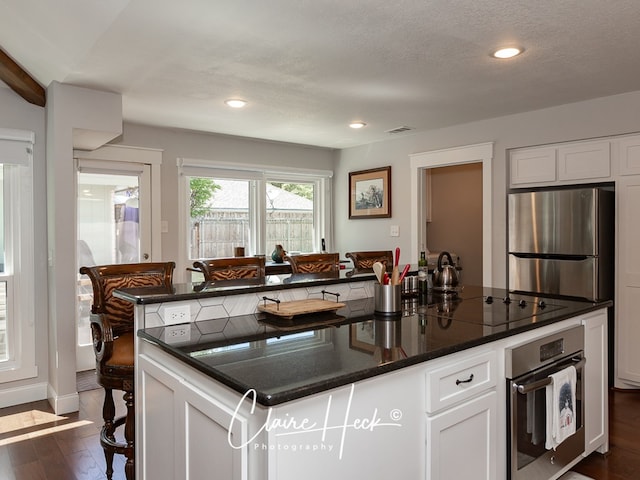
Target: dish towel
[[561, 407]]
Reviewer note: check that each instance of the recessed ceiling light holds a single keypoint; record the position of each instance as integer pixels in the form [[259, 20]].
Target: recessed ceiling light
[[357, 124], [235, 103], [507, 52]]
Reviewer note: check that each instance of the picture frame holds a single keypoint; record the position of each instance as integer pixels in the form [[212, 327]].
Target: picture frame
[[361, 337], [370, 193]]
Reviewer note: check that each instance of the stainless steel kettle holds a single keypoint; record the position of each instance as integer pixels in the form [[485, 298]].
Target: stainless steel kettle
[[445, 276]]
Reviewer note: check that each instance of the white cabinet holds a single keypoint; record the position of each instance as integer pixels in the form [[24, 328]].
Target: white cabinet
[[533, 165], [462, 418], [629, 153], [595, 382], [561, 164], [584, 160], [185, 433], [461, 441], [627, 327]]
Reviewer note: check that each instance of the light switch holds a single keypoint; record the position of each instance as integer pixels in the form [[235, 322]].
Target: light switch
[[394, 231], [164, 226]]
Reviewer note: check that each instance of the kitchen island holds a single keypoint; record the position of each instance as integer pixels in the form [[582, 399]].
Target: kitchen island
[[345, 394]]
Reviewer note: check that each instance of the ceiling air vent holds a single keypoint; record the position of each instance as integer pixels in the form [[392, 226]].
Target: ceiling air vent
[[401, 129]]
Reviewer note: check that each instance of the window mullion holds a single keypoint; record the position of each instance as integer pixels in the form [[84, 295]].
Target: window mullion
[[259, 215]]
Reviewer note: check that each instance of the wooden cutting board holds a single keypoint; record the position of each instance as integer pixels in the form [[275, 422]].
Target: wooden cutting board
[[299, 307]]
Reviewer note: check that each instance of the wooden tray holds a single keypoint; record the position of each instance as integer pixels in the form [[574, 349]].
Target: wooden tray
[[299, 307]]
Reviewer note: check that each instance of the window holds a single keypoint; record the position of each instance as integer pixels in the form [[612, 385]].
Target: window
[[255, 209], [17, 331]]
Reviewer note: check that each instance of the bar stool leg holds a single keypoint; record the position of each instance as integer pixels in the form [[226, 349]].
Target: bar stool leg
[[108, 414], [129, 435]]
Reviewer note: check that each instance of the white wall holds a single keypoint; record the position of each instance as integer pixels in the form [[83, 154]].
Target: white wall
[[178, 143], [17, 113], [613, 115]]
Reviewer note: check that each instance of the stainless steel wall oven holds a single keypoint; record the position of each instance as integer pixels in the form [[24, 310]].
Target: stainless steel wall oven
[[528, 367]]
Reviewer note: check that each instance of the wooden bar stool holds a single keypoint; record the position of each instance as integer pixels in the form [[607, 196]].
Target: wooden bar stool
[[232, 268], [113, 334], [365, 260], [314, 262]]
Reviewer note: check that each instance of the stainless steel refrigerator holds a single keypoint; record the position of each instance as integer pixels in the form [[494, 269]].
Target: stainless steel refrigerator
[[561, 242]]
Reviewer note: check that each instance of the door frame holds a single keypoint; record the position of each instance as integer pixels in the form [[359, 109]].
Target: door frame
[[116, 159], [479, 153]]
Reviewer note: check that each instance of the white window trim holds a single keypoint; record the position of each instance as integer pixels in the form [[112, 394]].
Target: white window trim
[[190, 167], [19, 266]]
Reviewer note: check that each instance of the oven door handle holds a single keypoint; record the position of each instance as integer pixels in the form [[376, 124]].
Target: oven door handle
[[533, 386]]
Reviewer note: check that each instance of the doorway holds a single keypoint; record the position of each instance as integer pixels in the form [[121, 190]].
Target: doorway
[[113, 227], [454, 223], [480, 153]]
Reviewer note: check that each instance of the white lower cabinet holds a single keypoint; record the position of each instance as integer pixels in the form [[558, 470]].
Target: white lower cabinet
[[462, 441], [186, 433], [462, 417], [596, 372]]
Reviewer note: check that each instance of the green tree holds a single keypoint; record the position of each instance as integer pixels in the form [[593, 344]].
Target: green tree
[[202, 189], [304, 190]]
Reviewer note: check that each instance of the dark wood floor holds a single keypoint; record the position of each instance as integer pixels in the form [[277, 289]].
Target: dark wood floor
[[623, 460], [35, 444]]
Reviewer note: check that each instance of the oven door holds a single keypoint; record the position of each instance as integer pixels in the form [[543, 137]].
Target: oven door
[[528, 457]]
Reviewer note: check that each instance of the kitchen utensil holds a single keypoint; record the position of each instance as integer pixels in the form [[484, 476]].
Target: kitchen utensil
[[404, 272], [395, 274], [378, 269], [445, 276]]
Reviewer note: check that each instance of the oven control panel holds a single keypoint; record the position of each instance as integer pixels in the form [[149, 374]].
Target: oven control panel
[[551, 349]]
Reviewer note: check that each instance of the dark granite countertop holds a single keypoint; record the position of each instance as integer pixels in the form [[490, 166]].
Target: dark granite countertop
[[192, 291], [288, 359]]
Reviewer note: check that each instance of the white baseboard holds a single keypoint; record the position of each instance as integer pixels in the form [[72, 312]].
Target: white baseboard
[[62, 404], [23, 394]]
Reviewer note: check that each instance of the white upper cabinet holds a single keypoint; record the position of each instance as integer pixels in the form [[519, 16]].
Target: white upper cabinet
[[585, 160], [566, 163], [629, 152], [533, 165]]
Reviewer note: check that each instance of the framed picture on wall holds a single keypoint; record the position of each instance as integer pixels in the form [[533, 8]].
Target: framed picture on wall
[[370, 193]]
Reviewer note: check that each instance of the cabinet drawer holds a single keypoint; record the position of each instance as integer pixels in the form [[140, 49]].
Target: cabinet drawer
[[460, 380]]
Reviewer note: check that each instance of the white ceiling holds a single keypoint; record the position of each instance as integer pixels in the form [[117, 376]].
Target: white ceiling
[[309, 67]]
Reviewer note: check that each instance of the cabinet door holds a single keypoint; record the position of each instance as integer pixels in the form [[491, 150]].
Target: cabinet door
[[595, 383], [629, 150], [627, 326], [156, 422], [184, 432], [586, 160], [461, 441], [533, 165], [210, 428]]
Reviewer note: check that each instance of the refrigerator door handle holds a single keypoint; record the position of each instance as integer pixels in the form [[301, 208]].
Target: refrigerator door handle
[[576, 258]]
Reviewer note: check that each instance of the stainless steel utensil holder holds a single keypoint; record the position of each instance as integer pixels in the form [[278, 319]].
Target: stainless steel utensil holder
[[387, 299]]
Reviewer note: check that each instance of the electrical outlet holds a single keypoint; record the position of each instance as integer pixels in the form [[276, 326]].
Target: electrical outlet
[[177, 333], [394, 230], [177, 314]]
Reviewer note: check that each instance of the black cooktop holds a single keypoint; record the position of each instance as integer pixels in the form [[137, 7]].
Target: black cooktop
[[491, 311]]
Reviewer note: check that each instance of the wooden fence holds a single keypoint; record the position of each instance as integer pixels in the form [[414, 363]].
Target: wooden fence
[[219, 233]]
